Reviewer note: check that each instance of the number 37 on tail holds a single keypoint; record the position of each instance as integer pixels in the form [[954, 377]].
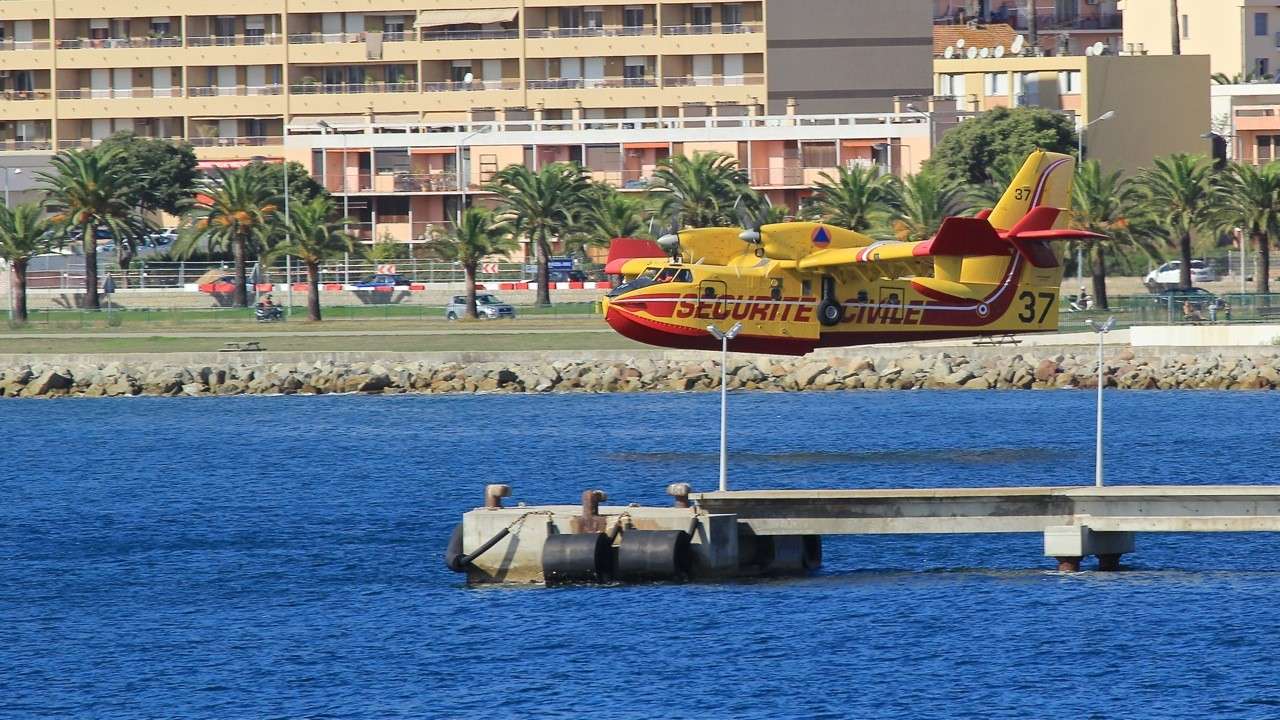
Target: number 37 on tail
[[799, 286]]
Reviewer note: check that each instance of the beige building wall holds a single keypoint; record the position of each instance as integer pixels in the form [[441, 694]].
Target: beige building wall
[[1224, 30], [1161, 102]]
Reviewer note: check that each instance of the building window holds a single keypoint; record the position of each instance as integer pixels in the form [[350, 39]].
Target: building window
[[951, 85], [1186, 26], [1264, 67], [700, 15], [633, 17], [1069, 82], [1266, 147], [997, 84], [1260, 24], [593, 17], [570, 17], [731, 16], [818, 154]]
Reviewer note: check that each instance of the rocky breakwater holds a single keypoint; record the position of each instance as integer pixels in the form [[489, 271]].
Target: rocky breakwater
[[905, 371]]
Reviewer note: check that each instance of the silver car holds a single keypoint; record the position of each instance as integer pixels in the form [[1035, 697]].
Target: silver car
[[488, 307]]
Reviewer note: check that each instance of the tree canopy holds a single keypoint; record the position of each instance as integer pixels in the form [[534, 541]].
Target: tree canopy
[[998, 137], [161, 175]]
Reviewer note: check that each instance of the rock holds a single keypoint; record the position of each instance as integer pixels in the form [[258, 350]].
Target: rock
[[806, 374], [1046, 370], [47, 382]]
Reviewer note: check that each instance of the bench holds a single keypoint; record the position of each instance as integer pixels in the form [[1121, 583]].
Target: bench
[[1006, 339], [247, 346]]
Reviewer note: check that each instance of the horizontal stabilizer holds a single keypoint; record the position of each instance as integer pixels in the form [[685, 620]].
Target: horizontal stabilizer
[[964, 236], [1062, 234]]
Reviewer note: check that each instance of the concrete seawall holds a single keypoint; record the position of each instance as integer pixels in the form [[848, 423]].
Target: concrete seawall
[[896, 368]]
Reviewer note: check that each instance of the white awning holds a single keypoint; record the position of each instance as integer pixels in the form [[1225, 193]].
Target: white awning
[[478, 16]]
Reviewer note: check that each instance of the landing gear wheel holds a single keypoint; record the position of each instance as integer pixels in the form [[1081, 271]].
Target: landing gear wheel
[[830, 312]]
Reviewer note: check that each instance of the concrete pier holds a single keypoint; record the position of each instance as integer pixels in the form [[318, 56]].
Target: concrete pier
[[750, 532]]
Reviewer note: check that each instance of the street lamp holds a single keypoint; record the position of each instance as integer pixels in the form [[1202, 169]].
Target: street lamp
[[12, 297], [724, 336], [288, 259], [1102, 328], [15, 171], [1080, 128], [463, 183]]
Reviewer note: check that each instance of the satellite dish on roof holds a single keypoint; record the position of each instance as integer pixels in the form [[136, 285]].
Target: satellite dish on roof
[[971, 53], [999, 51], [1016, 47], [983, 53], [1088, 51], [1099, 48], [960, 43], [949, 53]]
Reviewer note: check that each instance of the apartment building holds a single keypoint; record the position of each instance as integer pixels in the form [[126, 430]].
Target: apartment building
[[1246, 118], [404, 182], [1063, 27], [1160, 104], [237, 73], [1241, 37]]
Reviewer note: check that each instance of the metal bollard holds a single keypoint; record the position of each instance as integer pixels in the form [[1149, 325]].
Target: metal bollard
[[493, 495], [680, 491], [590, 521]]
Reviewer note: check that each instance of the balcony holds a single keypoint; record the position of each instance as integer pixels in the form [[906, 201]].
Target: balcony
[[721, 29], [314, 38], [473, 86], [169, 41], [20, 45], [444, 35], [234, 90], [591, 83], [20, 145], [410, 182], [353, 88], [592, 32], [713, 80], [233, 40], [119, 93], [246, 141], [17, 95]]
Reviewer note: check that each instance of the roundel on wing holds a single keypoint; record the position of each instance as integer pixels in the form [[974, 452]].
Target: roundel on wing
[[821, 238]]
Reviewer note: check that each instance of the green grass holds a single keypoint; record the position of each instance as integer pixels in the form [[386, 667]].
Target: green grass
[[395, 343]]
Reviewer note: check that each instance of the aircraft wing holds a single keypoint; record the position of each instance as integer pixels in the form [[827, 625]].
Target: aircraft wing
[[883, 252]]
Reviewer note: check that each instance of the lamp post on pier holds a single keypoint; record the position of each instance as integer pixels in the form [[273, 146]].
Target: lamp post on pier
[[724, 336], [1102, 328]]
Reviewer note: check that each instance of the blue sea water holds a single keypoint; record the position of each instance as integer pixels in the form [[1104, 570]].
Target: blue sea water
[[262, 557]]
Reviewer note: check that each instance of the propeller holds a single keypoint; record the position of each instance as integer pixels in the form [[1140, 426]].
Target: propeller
[[670, 241], [751, 224]]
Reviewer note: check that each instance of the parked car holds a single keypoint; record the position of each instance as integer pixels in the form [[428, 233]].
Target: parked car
[[1170, 273], [384, 280], [488, 307], [566, 276], [164, 238]]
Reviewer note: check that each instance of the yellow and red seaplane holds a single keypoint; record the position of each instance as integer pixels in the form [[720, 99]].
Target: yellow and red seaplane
[[798, 286]]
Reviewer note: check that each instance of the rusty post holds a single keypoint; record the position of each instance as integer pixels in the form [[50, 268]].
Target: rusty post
[[590, 521], [1109, 561], [680, 491], [493, 495], [1068, 563]]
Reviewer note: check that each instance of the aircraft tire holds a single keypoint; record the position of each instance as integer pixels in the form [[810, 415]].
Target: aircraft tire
[[830, 312]]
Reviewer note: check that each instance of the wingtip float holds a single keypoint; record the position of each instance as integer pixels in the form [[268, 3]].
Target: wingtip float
[[799, 286]]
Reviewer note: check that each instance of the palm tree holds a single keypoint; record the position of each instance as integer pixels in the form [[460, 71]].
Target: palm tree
[[1103, 203], [999, 178], [607, 214], [1179, 190], [314, 237], [922, 202], [853, 197], [86, 192], [236, 209], [478, 236], [542, 206], [1249, 198], [700, 191], [25, 232]]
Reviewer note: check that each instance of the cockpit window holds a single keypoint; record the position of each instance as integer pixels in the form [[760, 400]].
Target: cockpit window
[[666, 275], [684, 276], [649, 273]]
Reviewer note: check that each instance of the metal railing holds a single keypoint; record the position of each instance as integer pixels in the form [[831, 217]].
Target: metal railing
[[16, 145], [168, 41], [233, 40], [20, 45], [245, 141], [322, 38], [713, 80], [43, 94], [118, 93], [713, 29], [445, 35], [473, 86], [353, 88], [235, 90], [591, 83], [590, 32]]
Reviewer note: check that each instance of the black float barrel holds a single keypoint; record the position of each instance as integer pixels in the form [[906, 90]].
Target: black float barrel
[[568, 558], [654, 555]]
